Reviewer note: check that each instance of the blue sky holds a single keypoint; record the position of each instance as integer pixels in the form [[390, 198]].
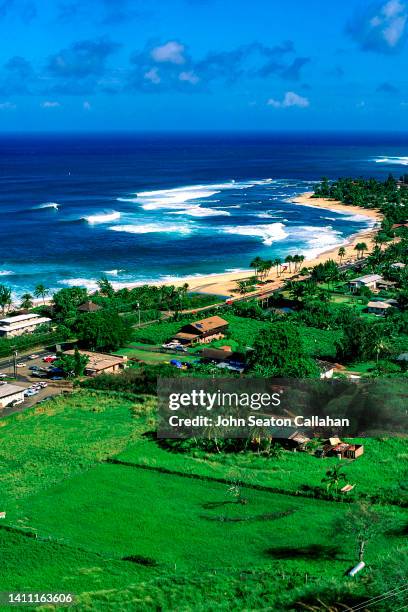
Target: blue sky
[[203, 65]]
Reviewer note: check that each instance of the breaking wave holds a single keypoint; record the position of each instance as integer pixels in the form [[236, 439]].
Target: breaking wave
[[102, 218], [152, 228], [46, 205], [269, 233], [397, 160]]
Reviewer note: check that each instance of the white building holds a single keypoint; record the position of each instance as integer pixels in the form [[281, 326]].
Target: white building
[[369, 281], [21, 324], [11, 394]]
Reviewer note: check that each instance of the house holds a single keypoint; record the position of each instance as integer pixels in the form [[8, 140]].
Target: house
[[21, 324], [11, 395], [326, 368], [334, 447], [347, 451], [398, 265], [216, 354], [89, 307], [384, 285], [101, 363], [370, 281], [288, 437], [378, 308], [204, 331]]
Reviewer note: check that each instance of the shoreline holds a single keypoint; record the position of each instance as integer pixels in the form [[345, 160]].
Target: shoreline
[[222, 284]]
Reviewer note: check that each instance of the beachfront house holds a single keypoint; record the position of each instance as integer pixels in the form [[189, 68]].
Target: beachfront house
[[370, 281], [203, 331], [101, 363], [11, 395], [378, 308], [89, 307], [21, 324]]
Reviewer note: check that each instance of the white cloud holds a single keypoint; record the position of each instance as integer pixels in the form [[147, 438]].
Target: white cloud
[[189, 77], [393, 32], [50, 104], [390, 22], [7, 106], [290, 99], [392, 8], [172, 52], [87, 105], [153, 76]]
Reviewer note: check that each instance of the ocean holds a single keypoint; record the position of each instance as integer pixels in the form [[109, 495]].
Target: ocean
[[140, 208]]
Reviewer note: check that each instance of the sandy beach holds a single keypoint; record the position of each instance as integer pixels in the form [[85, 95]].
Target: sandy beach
[[225, 283]]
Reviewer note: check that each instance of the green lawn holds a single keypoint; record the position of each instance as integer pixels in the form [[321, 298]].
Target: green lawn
[[293, 472], [153, 357], [189, 545], [126, 511]]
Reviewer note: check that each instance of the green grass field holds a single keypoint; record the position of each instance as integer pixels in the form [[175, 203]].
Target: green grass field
[[167, 533], [241, 333]]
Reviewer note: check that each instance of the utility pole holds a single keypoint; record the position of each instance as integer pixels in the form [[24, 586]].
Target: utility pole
[[138, 309], [15, 353]]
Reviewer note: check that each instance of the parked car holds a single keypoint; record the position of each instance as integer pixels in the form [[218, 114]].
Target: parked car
[[33, 368], [49, 358], [21, 364], [2, 375], [57, 378], [33, 356]]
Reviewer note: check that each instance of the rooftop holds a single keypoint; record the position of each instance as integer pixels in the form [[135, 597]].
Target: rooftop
[[208, 324], [89, 307], [19, 318], [378, 305], [7, 390], [369, 278], [98, 361]]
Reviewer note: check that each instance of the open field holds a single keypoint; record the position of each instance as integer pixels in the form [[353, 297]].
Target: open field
[[241, 333], [72, 518]]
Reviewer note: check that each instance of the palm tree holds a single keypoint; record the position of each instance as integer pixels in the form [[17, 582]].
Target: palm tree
[[289, 260], [334, 476], [341, 253], [358, 249], [41, 291], [256, 264], [277, 262], [26, 301], [5, 298], [363, 248]]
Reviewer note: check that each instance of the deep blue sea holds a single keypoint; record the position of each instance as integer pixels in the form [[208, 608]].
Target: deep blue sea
[[150, 207]]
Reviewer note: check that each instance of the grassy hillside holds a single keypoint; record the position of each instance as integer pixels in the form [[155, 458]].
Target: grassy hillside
[[123, 537]]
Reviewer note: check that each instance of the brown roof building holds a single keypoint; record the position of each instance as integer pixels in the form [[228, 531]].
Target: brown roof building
[[203, 331], [89, 307], [101, 363]]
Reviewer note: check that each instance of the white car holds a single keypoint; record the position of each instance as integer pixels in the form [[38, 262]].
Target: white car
[[2, 375], [33, 356], [21, 365]]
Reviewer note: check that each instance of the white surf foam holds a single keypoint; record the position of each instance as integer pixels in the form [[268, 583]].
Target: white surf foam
[[6, 273], [269, 233], [102, 218], [396, 160], [53, 205], [198, 211], [317, 239], [152, 228], [113, 272], [177, 197]]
